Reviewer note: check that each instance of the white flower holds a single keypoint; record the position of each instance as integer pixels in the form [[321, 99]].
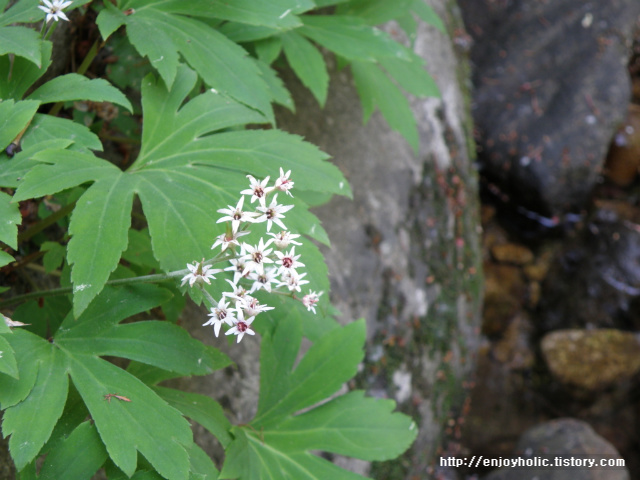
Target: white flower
[[219, 315], [241, 326], [54, 9], [227, 239], [288, 261], [283, 239], [238, 267], [199, 273], [283, 183], [263, 280], [257, 256], [257, 189], [292, 281], [236, 215], [273, 213], [251, 306], [238, 291], [310, 300]]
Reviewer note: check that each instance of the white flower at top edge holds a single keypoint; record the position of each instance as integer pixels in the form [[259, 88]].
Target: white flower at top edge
[[257, 189], [283, 183], [54, 9], [273, 213], [236, 215], [241, 326], [219, 315], [284, 238], [199, 273], [310, 300]]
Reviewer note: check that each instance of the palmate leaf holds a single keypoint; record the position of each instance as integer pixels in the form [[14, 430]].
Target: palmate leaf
[[278, 443], [161, 35], [182, 176], [139, 421]]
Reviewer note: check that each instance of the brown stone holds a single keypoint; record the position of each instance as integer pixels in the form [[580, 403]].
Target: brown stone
[[591, 359], [512, 253]]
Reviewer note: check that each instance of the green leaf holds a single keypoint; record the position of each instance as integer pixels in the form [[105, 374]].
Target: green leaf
[[5, 258], [68, 169], [199, 408], [411, 76], [351, 38], [278, 352], [23, 72], [14, 117], [54, 256], [262, 152], [31, 421], [278, 91], [101, 218], [109, 20], [350, 425], [139, 251], [79, 456], [376, 12], [21, 12], [21, 41], [9, 219], [275, 14], [78, 87], [202, 467], [319, 374], [278, 444], [428, 14], [29, 351], [145, 423], [376, 89], [45, 128], [308, 63], [268, 49], [167, 128], [160, 344], [8, 364], [222, 64], [115, 304]]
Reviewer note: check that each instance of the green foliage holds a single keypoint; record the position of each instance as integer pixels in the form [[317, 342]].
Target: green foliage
[[278, 443], [205, 71]]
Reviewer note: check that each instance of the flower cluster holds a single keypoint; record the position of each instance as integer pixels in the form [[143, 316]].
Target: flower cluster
[[271, 264]]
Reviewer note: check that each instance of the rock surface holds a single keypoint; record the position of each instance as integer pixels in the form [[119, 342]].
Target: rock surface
[[568, 439], [552, 88]]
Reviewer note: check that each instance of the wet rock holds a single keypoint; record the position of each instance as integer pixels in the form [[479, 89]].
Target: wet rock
[[551, 88], [503, 404], [595, 280], [624, 155], [504, 292], [564, 439], [591, 359]]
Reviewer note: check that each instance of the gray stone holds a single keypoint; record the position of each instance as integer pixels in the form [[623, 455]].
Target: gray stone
[[551, 89], [563, 440]]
